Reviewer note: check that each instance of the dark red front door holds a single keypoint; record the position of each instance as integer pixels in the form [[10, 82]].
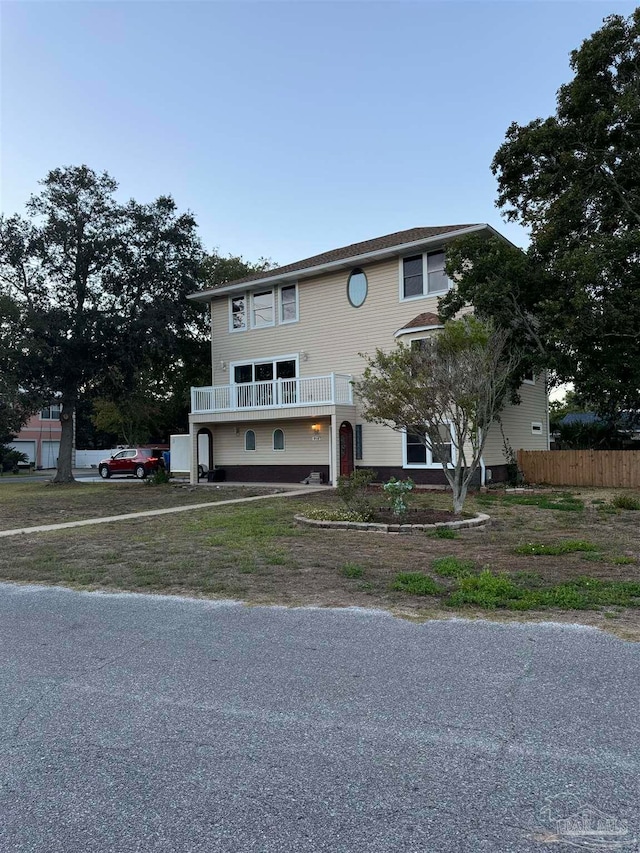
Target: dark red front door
[[346, 448]]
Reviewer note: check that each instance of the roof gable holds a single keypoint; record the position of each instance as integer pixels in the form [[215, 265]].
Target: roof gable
[[315, 263]]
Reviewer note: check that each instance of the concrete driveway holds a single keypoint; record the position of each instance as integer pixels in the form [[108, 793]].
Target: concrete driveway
[[133, 723]]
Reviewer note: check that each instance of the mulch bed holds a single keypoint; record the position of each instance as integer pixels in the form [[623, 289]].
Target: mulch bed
[[416, 516]]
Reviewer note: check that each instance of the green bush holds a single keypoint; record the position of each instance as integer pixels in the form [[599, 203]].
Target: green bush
[[397, 493], [452, 567], [160, 477], [352, 491], [352, 570], [416, 583], [626, 502]]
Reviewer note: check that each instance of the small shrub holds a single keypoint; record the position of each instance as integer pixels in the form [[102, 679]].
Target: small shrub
[[622, 560], [537, 549], [160, 477], [416, 583], [396, 491], [352, 570], [443, 533], [352, 491], [452, 567], [626, 502]]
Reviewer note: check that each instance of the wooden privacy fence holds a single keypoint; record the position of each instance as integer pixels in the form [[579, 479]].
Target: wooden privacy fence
[[613, 468]]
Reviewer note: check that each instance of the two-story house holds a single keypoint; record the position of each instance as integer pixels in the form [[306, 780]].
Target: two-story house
[[286, 344], [39, 438]]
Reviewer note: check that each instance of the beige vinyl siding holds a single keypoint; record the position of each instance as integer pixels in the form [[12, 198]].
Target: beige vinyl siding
[[300, 447], [516, 422], [329, 330], [332, 334]]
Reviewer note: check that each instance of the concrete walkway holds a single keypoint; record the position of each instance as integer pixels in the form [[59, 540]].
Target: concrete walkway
[[45, 528]]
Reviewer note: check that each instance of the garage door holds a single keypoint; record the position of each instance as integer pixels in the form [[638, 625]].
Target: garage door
[[50, 451], [26, 447]]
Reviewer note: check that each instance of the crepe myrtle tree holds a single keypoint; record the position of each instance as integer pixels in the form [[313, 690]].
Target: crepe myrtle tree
[[447, 390]]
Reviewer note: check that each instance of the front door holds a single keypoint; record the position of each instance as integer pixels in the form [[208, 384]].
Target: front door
[[346, 448]]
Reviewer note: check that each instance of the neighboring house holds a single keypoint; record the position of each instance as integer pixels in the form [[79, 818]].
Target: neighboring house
[[39, 439], [287, 342]]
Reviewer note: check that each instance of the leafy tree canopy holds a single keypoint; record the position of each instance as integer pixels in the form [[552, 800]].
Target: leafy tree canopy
[[573, 180], [447, 391], [97, 289]]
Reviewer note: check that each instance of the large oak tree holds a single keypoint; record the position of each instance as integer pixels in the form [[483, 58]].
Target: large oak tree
[[572, 179], [96, 289]]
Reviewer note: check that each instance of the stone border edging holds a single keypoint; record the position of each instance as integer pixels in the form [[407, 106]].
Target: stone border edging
[[480, 520]]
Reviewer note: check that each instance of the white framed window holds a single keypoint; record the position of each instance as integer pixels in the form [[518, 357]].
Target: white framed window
[[278, 439], [262, 309], [249, 440], [51, 413], [423, 275], [416, 452], [288, 304], [254, 382], [238, 313], [536, 428], [529, 378]]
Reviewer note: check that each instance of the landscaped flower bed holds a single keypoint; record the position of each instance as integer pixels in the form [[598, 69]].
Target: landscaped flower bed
[[413, 522]]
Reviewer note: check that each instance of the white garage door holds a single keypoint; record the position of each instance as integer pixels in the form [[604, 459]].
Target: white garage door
[[26, 447], [50, 451]]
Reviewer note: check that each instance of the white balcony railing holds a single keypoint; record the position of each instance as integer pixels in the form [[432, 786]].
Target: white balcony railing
[[333, 389]]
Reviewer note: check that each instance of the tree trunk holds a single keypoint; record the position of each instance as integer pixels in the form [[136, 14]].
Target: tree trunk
[[64, 472]]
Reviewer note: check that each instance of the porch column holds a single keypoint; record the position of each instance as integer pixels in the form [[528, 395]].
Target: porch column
[[193, 461], [334, 451]]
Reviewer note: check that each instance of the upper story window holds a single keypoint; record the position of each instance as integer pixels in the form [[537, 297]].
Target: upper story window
[[263, 308], [288, 304], [357, 288], [238, 313], [423, 275], [262, 313], [51, 413]]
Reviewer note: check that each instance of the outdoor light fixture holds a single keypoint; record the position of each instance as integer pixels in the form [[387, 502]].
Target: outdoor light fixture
[[315, 427], [223, 364], [304, 355]]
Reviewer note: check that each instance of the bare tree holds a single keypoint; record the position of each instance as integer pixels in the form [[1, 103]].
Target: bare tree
[[445, 391]]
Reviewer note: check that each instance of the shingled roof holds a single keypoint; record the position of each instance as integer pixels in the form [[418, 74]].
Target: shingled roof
[[422, 320], [354, 250]]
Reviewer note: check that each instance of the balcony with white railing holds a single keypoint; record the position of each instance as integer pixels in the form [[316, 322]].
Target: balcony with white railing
[[332, 389]]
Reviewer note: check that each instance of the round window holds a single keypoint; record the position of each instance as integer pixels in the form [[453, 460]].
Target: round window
[[357, 288]]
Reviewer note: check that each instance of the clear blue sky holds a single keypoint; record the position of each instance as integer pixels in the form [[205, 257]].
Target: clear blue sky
[[287, 128]]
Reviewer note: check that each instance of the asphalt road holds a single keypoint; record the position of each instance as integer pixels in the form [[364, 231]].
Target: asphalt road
[[133, 723]]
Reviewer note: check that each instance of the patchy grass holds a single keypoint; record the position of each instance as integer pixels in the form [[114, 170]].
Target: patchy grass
[[624, 501], [563, 501], [352, 570], [491, 591], [568, 546], [30, 504], [256, 552], [416, 583], [443, 533], [452, 567]]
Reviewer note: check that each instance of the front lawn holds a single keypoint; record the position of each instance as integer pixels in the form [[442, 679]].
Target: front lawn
[[30, 504], [536, 558]]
